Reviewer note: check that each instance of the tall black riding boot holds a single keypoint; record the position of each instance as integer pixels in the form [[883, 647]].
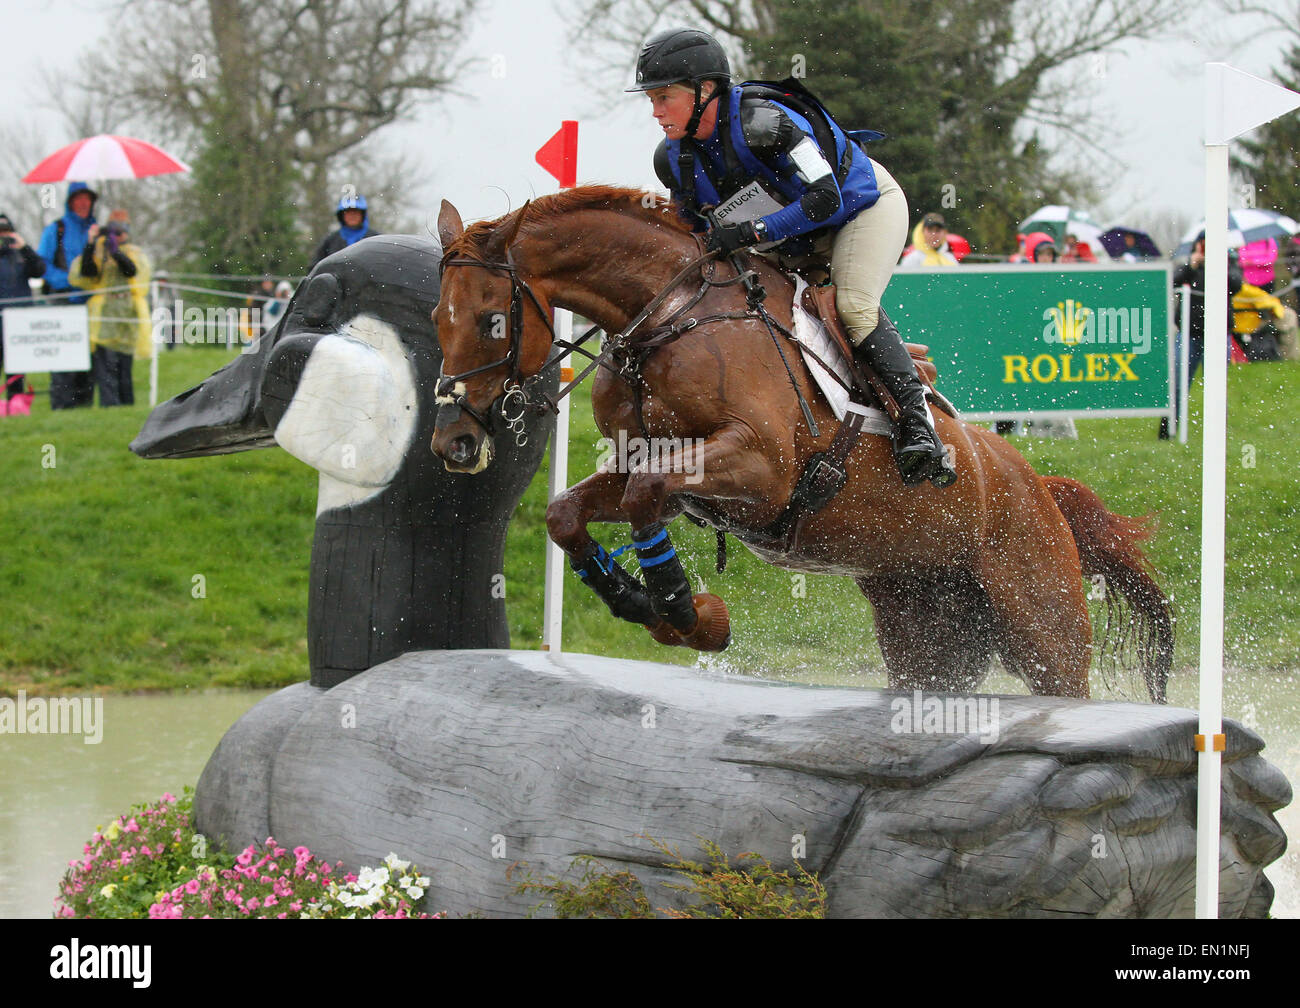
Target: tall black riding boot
[[917, 448]]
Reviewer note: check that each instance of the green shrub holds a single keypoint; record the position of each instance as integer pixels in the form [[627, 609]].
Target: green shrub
[[751, 889]]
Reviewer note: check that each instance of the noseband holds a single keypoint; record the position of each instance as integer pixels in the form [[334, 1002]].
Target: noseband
[[514, 397]]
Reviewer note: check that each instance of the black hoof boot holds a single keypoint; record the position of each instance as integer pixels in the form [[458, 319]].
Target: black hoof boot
[[625, 595]]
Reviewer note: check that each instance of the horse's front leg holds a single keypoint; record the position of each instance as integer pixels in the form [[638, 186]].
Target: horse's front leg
[[725, 466], [598, 499]]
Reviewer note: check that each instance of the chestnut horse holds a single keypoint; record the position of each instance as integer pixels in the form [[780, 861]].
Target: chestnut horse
[[994, 563]]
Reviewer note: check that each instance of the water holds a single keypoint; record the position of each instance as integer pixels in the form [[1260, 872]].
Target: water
[[55, 790]]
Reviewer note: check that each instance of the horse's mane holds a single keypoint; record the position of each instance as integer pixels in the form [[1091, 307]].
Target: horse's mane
[[648, 206]]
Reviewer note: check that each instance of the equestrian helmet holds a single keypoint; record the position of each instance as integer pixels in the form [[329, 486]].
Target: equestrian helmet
[[678, 55]]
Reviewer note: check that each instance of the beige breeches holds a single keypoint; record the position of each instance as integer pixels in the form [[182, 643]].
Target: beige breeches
[[864, 254]]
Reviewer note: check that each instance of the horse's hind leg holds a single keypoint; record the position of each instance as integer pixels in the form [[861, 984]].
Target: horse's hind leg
[[935, 630], [1044, 635]]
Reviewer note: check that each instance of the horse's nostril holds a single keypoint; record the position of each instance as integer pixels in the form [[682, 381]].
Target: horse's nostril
[[462, 449]]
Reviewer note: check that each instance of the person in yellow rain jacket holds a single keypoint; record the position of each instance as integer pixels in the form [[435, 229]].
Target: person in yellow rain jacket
[[930, 243], [1260, 323], [117, 270]]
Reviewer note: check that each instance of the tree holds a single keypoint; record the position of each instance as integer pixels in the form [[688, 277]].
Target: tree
[[963, 86], [271, 98]]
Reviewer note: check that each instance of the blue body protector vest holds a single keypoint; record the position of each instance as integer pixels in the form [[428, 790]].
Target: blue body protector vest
[[725, 164]]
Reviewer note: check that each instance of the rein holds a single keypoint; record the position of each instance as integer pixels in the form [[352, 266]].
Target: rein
[[518, 391]]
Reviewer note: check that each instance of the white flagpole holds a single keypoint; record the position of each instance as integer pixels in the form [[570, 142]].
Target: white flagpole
[[1213, 481], [1235, 103], [553, 607]]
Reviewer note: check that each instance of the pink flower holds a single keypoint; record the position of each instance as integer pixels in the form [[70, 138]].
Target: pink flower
[[192, 886], [245, 857], [132, 826], [168, 797], [295, 906]]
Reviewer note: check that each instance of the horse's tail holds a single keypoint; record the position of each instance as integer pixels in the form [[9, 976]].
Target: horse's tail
[[1139, 626]]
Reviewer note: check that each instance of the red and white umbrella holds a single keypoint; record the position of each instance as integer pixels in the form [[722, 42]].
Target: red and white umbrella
[[105, 157]]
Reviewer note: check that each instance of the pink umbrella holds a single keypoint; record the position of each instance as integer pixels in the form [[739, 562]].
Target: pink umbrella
[[105, 157]]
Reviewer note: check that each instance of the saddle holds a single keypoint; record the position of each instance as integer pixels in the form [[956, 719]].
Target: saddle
[[819, 301]]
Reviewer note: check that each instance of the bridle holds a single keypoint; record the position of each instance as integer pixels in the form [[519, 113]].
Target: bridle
[[517, 396]]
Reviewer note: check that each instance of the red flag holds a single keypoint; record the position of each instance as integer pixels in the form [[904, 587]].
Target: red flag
[[559, 155]]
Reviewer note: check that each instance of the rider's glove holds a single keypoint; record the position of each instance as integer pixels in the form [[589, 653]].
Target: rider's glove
[[727, 238]]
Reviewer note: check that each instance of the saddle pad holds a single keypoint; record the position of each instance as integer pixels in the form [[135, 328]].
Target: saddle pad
[[812, 335]]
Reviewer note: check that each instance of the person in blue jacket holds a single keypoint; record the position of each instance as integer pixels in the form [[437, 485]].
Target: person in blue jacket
[[758, 167], [61, 242], [354, 224]]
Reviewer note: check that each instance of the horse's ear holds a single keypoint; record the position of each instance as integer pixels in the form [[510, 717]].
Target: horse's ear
[[514, 228], [450, 226]]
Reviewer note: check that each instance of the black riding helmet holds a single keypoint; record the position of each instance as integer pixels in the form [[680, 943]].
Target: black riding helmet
[[678, 56]]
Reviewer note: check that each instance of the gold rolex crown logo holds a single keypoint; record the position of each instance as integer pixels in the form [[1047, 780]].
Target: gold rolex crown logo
[[1071, 321]]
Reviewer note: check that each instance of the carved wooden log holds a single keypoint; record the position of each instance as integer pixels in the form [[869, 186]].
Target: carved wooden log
[[470, 761]]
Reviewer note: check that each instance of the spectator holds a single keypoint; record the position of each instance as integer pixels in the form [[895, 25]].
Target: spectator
[[1193, 273], [1131, 252], [62, 242], [117, 271], [273, 311], [930, 243], [1077, 251], [1258, 263], [354, 225], [1039, 248], [259, 302], [19, 263]]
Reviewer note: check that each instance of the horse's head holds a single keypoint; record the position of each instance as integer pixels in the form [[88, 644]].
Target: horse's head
[[495, 332]]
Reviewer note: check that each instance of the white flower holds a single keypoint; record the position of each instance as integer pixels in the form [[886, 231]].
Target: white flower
[[372, 877], [397, 865], [414, 893]]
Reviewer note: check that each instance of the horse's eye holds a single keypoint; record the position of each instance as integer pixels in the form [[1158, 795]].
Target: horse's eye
[[492, 325]]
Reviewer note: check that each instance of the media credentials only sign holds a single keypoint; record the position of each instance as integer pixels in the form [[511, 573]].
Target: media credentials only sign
[[47, 339]]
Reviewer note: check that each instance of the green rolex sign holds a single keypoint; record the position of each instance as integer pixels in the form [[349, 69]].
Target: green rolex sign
[[1035, 340]]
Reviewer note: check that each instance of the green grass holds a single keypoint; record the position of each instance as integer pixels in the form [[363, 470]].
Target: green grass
[[97, 574]]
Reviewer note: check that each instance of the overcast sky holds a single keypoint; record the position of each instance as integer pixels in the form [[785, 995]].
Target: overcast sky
[[1151, 97]]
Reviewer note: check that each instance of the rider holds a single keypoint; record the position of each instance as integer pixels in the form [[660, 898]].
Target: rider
[[749, 156]]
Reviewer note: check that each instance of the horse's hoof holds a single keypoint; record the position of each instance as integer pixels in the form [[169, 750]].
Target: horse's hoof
[[664, 633], [713, 624], [712, 630]]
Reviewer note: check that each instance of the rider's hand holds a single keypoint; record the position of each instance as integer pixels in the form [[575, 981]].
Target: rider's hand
[[727, 238]]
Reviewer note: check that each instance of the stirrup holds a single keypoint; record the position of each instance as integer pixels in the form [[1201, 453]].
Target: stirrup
[[919, 464]]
